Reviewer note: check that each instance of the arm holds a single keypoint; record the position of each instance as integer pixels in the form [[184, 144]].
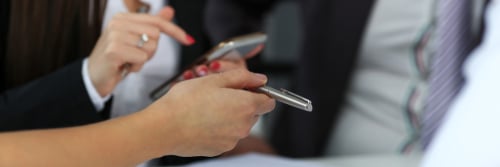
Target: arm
[[110, 143], [206, 115]]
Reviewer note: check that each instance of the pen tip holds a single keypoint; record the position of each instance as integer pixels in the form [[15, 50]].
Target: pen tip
[[309, 108]]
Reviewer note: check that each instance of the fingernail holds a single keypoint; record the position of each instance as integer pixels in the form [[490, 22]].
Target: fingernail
[[190, 39], [261, 77], [215, 65], [202, 71], [188, 75]]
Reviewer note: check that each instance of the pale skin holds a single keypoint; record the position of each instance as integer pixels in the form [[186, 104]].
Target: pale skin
[[201, 117]]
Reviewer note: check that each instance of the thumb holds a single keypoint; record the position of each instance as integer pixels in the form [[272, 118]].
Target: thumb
[[238, 79], [167, 13]]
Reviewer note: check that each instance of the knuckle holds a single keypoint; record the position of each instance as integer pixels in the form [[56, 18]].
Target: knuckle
[[251, 107], [136, 68], [113, 24], [157, 20], [265, 105], [119, 15], [154, 46], [116, 65], [213, 154], [229, 145], [226, 146], [112, 49], [245, 132], [233, 144], [155, 33], [143, 57], [271, 104], [243, 73], [218, 76], [113, 35]]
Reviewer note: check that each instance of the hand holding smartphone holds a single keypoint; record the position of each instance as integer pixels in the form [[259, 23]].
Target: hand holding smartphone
[[236, 48]]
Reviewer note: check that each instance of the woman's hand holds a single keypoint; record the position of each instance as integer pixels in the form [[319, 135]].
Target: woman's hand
[[119, 45], [199, 117], [207, 116]]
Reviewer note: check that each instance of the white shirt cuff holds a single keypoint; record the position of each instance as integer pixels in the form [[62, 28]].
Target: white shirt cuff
[[96, 99]]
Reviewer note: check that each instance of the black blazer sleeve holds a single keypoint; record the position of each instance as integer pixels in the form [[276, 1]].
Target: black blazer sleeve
[[59, 99]]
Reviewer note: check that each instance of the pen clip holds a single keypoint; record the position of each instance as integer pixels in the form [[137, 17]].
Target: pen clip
[[295, 95]]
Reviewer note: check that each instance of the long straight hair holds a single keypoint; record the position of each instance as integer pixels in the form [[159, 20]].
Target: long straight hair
[[45, 35]]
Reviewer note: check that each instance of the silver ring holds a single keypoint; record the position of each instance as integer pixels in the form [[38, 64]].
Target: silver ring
[[143, 40]]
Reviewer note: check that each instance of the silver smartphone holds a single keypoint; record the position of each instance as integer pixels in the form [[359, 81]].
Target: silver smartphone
[[234, 48]]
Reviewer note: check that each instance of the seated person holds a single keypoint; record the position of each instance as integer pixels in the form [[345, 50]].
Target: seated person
[[364, 65]]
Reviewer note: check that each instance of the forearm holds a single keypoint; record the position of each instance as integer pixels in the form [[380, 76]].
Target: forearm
[[121, 142], [199, 122]]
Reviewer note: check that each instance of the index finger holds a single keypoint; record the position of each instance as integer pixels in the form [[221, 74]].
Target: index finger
[[164, 25], [236, 79]]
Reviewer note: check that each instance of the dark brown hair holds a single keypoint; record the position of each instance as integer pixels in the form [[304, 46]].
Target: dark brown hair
[[45, 35]]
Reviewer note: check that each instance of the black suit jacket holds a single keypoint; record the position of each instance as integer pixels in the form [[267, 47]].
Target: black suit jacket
[[333, 30]]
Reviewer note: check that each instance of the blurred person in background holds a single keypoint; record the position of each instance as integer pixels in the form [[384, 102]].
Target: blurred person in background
[[364, 65]]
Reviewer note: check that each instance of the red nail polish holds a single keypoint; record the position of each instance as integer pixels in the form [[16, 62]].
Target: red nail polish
[[188, 75], [215, 65], [190, 39], [202, 71]]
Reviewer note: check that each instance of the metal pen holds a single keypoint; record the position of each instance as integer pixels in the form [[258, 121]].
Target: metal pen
[[287, 97]]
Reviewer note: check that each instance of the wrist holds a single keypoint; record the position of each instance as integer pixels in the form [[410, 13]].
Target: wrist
[[97, 100], [102, 84], [104, 89], [157, 133]]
